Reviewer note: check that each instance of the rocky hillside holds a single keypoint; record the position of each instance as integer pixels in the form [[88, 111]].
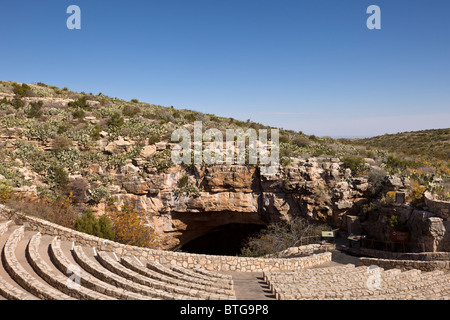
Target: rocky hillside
[[431, 144], [96, 152]]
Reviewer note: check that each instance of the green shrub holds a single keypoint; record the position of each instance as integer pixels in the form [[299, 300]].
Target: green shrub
[[89, 224], [106, 228], [154, 139], [301, 141], [176, 114], [34, 109], [17, 103], [95, 132], [115, 121], [61, 143], [98, 194], [131, 111], [21, 91], [183, 182], [80, 103], [79, 114], [59, 176], [190, 117], [356, 164]]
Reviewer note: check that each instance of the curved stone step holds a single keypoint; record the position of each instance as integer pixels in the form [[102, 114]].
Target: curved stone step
[[114, 266], [56, 280], [181, 275], [86, 279], [221, 282], [213, 275], [21, 276], [187, 282], [9, 289], [105, 275], [158, 288]]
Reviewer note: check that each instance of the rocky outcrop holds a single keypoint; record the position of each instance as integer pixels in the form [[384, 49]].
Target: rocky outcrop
[[314, 188]]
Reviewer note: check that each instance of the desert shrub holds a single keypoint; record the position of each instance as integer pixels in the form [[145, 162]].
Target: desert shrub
[[301, 141], [17, 103], [78, 114], [190, 117], [280, 236], [5, 192], [58, 209], [395, 223], [135, 100], [21, 91], [34, 109], [161, 160], [115, 121], [355, 164], [376, 179], [154, 138], [183, 182], [131, 111], [79, 188], [176, 114], [61, 143], [43, 131], [285, 161], [95, 132], [89, 224], [98, 194], [186, 188], [130, 228], [416, 194], [214, 118], [80, 103], [58, 177], [394, 164]]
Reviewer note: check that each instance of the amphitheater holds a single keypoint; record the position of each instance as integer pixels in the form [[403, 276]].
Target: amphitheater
[[43, 261]]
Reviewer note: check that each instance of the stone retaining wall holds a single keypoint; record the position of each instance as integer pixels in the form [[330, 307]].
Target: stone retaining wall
[[405, 264], [186, 260], [422, 256]]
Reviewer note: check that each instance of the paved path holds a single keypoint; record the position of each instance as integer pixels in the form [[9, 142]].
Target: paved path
[[250, 285]]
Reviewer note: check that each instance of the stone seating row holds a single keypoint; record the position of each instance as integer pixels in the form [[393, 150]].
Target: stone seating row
[[358, 283], [34, 267]]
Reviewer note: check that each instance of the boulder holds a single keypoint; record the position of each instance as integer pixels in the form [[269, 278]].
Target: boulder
[[119, 147]]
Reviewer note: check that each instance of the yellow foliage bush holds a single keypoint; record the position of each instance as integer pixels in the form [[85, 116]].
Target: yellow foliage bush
[[417, 193], [130, 228], [5, 193]]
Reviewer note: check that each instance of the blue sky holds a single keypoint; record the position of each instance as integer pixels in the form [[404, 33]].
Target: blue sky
[[305, 65]]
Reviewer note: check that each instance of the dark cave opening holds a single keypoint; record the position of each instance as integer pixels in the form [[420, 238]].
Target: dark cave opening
[[226, 240]]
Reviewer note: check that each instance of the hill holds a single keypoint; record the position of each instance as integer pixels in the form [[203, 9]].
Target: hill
[[65, 153], [434, 143]]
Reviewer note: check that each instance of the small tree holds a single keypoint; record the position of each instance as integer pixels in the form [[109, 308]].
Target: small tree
[[89, 224]]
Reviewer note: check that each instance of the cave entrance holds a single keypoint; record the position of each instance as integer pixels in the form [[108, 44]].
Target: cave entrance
[[226, 240]]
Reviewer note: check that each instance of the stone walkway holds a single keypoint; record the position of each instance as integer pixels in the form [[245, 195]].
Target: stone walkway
[[251, 286]]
